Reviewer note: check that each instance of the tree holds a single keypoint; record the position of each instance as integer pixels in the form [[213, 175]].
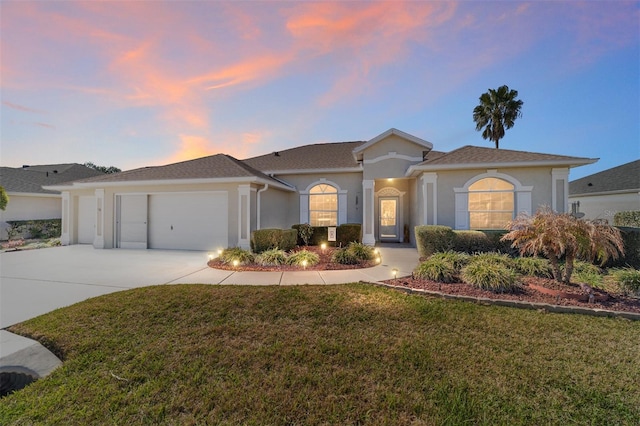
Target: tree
[[103, 169], [4, 199], [560, 236], [497, 111]]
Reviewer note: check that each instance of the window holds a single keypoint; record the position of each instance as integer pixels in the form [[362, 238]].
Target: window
[[323, 205], [491, 203]]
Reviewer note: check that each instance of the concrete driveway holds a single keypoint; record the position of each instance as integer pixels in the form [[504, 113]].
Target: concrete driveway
[[34, 282]]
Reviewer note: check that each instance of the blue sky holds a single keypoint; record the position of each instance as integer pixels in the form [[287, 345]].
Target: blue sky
[[132, 84]]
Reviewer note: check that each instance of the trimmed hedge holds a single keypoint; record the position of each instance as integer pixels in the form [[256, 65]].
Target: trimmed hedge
[[345, 234], [472, 242], [37, 229], [267, 239], [629, 219], [631, 240], [431, 239]]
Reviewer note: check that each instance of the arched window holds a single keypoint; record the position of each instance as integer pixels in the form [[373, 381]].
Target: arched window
[[491, 203], [323, 205]]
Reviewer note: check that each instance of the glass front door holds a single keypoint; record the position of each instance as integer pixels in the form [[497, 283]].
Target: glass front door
[[388, 223]]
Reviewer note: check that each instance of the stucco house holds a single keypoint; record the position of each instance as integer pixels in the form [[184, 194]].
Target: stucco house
[[603, 194], [388, 184], [28, 200]]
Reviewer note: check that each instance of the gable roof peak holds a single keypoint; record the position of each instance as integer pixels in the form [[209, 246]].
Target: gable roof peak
[[357, 152]]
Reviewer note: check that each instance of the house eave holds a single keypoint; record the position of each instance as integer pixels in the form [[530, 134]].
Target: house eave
[[617, 192], [33, 194], [162, 182], [415, 170], [312, 171]]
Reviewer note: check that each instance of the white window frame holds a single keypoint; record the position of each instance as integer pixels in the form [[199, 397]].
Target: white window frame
[[304, 201], [522, 196]]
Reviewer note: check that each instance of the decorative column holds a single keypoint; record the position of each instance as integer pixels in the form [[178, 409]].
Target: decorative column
[[65, 237], [98, 238], [560, 190], [430, 198], [368, 216], [244, 216]]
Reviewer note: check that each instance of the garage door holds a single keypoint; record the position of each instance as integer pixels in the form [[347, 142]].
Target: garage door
[[86, 219], [188, 221]]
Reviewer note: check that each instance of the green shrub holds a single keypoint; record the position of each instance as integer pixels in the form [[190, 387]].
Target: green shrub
[[628, 279], [230, 255], [495, 239], [37, 229], [490, 273], [267, 239], [349, 233], [431, 239], [631, 241], [437, 269], [497, 258], [472, 242], [344, 256], [272, 257], [299, 257], [305, 232], [360, 251], [588, 273], [533, 267], [457, 259], [627, 219]]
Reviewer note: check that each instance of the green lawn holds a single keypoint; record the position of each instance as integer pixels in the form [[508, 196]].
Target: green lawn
[[351, 354]]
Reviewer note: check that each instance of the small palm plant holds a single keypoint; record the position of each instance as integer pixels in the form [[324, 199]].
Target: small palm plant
[[561, 235], [303, 258]]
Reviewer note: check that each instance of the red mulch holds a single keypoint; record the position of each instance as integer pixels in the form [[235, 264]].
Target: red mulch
[[325, 263], [557, 294]]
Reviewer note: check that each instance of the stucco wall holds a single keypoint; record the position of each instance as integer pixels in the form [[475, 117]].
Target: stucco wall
[[539, 178], [606, 206], [351, 182]]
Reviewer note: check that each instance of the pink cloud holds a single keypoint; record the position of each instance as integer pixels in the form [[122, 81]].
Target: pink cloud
[[21, 107]]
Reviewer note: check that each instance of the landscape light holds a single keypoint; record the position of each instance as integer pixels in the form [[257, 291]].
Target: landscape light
[[304, 264], [323, 246], [219, 252], [235, 263], [210, 256], [394, 271], [378, 259]]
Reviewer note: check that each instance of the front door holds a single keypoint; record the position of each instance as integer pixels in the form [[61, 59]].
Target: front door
[[388, 219]]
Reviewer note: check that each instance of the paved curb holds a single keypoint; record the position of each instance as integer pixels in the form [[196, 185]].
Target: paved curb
[[21, 354], [518, 304]]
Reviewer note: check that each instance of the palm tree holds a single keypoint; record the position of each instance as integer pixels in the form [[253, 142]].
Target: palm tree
[[561, 235], [497, 111]]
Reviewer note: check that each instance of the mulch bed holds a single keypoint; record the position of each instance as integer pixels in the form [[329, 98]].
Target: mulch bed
[[325, 263], [533, 290]]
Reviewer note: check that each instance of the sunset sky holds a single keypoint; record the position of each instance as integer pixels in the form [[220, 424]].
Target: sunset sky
[[132, 84]]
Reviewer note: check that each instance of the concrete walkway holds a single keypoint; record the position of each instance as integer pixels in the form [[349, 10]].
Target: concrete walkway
[[35, 282]]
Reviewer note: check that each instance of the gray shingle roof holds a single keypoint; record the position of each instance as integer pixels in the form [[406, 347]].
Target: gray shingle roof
[[620, 178], [211, 167], [337, 155], [30, 179], [481, 155]]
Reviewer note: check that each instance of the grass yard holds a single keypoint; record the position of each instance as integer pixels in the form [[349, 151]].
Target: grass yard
[[351, 354]]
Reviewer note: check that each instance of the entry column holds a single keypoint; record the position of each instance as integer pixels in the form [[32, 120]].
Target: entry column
[[368, 218]]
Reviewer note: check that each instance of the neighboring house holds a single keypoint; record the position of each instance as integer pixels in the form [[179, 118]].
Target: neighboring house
[[601, 195], [388, 184], [28, 200]]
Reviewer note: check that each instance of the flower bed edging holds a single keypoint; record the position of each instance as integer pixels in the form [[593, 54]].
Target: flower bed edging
[[518, 304]]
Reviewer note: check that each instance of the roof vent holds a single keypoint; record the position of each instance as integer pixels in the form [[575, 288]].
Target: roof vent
[[25, 166], [589, 184], [276, 153], [55, 172]]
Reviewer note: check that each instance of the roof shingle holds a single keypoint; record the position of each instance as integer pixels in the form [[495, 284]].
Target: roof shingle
[[620, 178], [30, 179]]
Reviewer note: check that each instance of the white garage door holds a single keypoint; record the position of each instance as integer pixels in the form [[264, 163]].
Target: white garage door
[[86, 219], [188, 221]]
